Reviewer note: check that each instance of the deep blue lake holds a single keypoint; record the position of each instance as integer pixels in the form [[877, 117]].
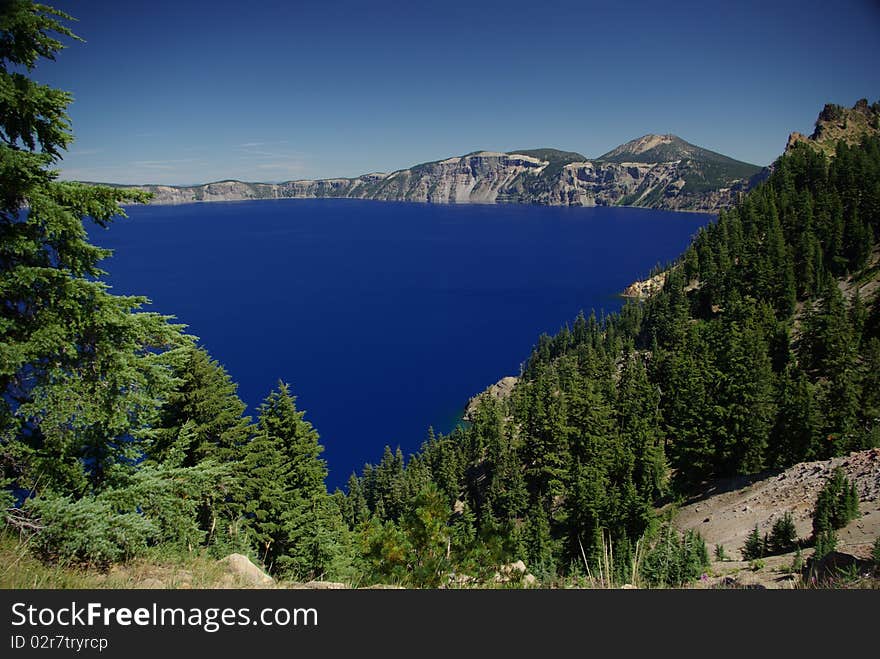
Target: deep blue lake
[[383, 317]]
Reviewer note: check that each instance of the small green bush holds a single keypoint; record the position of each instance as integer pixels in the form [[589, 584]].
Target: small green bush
[[797, 563], [156, 505], [674, 560], [88, 531], [783, 535]]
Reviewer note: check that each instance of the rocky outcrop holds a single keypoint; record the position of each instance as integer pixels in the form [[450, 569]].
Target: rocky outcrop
[[671, 174], [515, 573], [836, 123], [499, 391], [646, 287]]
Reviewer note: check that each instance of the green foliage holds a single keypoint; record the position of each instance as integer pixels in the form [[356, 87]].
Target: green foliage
[[674, 560], [382, 552], [875, 552], [783, 535], [203, 417], [153, 506], [826, 542], [754, 547], [720, 554], [797, 563], [288, 512], [836, 505], [427, 533], [82, 372], [89, 530]]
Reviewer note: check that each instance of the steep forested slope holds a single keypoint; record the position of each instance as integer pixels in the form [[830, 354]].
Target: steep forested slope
[[760, 351]]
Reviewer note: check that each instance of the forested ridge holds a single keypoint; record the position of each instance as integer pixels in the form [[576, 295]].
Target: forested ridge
[[120, 436]]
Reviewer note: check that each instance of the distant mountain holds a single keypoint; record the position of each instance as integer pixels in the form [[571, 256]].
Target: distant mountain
[[655, 171], [702, 170]]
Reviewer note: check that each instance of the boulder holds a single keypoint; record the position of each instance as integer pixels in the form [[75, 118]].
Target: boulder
[[836, 564], [515, 571], [244, 570]]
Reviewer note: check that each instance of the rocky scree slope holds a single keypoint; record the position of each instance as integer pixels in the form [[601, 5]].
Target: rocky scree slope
[[731, 508]]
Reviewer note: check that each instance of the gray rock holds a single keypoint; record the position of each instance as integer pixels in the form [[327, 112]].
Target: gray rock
[[241, 567]]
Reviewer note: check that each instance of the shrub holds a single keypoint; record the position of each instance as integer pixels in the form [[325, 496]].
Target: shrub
[[783, 536], [797, 563], [720, 555], [88, 531], [674, 560], [155, 505]]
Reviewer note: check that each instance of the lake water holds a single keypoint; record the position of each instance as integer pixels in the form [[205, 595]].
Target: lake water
[[383, 317]]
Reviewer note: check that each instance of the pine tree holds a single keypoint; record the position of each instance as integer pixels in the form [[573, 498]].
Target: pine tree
[[425, 524], [82, 372], [796, 430], [203, 418], [540, 546], [638, 412], [747, 396], [783, 535], [289, 513], [826, 542], [545, 445], [754, 545], [836, 505]]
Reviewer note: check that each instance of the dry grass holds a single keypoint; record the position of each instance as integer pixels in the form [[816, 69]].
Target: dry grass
[[19, 569]]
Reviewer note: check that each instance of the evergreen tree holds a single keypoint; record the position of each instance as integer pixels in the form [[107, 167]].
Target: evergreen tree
[[746, 394], [783, 535], [545, 445], [798, 423], [82, 372], [289, 513], [426, 527], [826, 542], [203, 418], [754, 545], [748, 358], [638, 411], [836, 505]]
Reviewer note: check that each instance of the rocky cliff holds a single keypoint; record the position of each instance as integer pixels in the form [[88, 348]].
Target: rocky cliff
[[682, 177], [836, 123]]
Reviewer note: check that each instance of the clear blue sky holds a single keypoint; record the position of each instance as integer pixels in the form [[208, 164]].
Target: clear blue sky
[[192, 91]]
